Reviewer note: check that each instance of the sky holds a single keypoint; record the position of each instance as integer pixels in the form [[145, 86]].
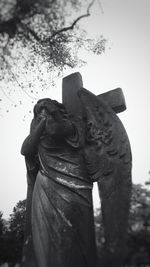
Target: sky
[[125, 63]]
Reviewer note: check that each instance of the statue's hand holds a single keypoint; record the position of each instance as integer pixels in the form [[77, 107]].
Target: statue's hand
[[52, 126], [38, 126], [30, 144]]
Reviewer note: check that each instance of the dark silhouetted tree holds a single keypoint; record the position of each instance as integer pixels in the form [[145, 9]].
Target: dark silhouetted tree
[[139, 227], [3, 238], [12, 234], [1, 223], [16, 231], [138, 242]]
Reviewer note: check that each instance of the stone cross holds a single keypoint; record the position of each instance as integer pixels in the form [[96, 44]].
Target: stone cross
[[115, 209], [73, 83]]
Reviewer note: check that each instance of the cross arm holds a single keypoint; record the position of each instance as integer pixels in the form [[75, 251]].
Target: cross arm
[[115, 98], [73, 83]]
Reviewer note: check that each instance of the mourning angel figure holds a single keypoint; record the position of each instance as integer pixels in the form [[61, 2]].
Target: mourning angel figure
[[64, 156]]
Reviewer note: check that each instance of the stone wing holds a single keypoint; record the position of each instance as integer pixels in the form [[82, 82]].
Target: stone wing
[[108, 159]]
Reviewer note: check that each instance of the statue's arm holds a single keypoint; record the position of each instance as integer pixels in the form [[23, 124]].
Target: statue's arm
[[30, 144]]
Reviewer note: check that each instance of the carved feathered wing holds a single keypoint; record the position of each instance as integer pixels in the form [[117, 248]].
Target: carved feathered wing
[[108, 159]]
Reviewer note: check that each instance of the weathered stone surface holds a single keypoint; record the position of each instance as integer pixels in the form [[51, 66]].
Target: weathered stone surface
[[115, 99], [112, 154], [73, 83], [64, 156], [61, 221]]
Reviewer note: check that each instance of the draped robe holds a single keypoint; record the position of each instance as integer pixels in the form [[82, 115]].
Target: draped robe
[[62, 210]]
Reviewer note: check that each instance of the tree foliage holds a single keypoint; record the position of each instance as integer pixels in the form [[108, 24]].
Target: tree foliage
[[12, 237], [16, 230], [46, 27], [139, 227], [138, 240], [37, 32], [1, 224]]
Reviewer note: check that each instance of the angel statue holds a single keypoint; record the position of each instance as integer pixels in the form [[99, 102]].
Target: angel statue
[[64, 155]]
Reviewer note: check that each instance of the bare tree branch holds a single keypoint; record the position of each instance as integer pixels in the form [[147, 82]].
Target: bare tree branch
[[11, 26], [101, 7], [74, 23], [38, 39]]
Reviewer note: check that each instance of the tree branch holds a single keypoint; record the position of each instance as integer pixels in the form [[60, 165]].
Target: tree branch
[[74, 23], [37, 38], [101, 7], [32, 32], [11, 26]]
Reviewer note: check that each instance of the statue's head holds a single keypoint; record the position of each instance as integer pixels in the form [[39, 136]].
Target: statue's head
[[49, 107]]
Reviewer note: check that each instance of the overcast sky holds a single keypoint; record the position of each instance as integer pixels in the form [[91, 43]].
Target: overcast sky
[[125, 64]]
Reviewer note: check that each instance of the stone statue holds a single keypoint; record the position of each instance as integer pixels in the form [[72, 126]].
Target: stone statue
[[65, 153]]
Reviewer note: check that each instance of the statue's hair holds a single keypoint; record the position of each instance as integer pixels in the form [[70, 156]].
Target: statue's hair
[[47, 102]]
